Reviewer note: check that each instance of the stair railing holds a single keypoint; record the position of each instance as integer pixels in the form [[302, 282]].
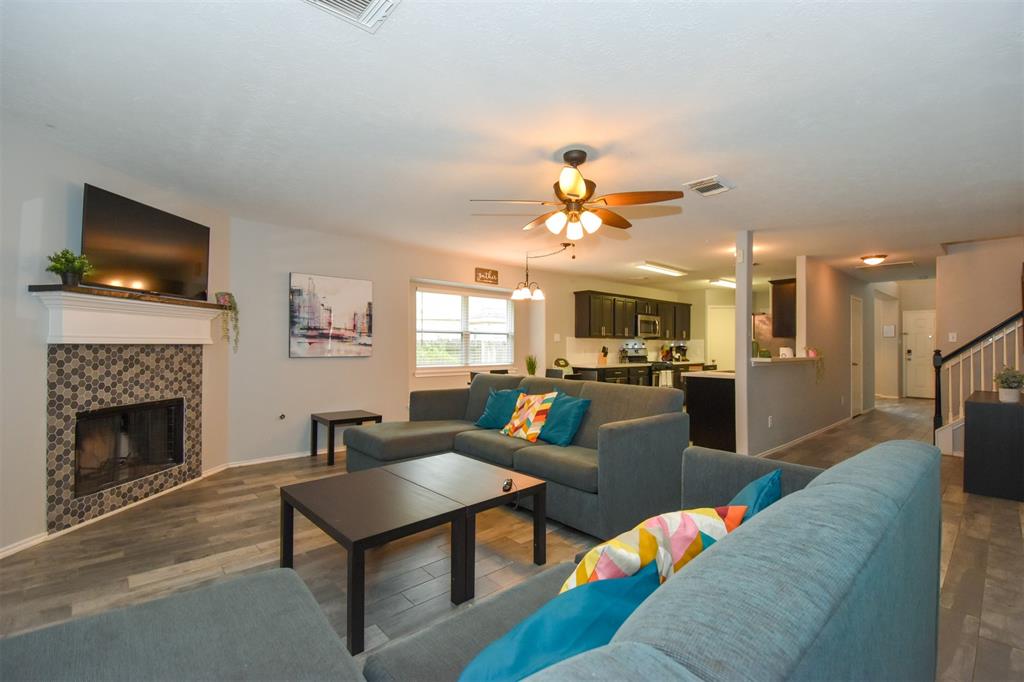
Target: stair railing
[[967, 364]]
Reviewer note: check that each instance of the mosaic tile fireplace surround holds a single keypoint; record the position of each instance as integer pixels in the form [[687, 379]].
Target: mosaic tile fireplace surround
[[87, 377]]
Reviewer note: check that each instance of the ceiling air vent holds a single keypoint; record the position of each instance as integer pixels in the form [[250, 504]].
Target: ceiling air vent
[[709, 187], [366, 14]]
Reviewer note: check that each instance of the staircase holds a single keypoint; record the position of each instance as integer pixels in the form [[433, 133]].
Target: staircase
[[972, 368]]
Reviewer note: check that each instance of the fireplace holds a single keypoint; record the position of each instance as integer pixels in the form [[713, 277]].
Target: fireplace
[[115, 445]]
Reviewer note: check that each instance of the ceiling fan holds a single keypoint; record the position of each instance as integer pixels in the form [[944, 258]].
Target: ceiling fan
[[579, 212]]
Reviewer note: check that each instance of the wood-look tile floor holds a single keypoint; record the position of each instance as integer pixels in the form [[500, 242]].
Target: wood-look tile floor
[[227, 525], [981, 615]]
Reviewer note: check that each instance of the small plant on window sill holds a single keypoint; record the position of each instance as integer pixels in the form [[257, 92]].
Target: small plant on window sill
[[531, 364], [229, 318]]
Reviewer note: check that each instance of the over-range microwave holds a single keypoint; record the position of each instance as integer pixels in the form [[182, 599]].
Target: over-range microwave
[[648, 326]]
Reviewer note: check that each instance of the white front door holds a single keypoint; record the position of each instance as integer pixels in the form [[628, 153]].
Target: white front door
[[721, 341], [918, 345], [856, 356]]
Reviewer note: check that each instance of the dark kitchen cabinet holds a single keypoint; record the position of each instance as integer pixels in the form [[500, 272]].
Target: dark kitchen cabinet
[[682, 317], [711, 404], [646, 307], [640, 376], [784, 308], [614, 375], [595, 315], [625, 318]]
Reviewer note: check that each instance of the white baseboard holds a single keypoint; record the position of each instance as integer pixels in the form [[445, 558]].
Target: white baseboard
[[804, 437], [34, 540], [887, 397], [16, 547]]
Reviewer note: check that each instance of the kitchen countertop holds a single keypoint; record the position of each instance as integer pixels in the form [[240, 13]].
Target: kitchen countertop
[[610, 365], [711, 374]]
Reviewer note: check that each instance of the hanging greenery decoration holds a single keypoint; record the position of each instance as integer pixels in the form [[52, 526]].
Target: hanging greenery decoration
[[229, 318]]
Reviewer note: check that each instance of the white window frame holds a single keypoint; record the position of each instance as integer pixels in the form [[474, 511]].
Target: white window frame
[[442, 370]]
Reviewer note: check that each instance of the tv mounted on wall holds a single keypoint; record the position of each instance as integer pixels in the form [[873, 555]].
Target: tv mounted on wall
[[141, 248]]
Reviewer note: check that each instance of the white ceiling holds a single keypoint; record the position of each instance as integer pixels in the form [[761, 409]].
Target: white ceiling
[[849, 128]]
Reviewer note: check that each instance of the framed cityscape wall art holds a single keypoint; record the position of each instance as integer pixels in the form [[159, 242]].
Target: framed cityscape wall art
[[329, 317]]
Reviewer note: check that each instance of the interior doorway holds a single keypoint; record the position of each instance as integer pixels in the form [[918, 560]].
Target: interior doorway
[[918, 345], [856, 356], [721, 333]]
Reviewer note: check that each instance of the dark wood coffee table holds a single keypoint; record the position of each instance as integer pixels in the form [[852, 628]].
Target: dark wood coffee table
[[366, 509]]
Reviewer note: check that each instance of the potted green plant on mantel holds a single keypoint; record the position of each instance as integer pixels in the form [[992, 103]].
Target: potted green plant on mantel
[[71, 268], [1009, 381]]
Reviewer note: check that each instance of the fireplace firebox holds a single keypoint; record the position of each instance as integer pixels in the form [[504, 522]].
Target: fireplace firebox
[[115, 445]]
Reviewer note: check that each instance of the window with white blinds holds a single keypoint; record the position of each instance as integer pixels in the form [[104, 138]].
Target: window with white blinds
[[462, 330]]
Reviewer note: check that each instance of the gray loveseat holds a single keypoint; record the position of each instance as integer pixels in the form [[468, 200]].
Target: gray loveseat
[[622, 466], [837, 581]]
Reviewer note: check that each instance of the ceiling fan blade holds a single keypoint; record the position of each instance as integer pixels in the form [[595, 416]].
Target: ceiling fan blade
[[539, 220], [522, 201], [633, 198], [611, 218]]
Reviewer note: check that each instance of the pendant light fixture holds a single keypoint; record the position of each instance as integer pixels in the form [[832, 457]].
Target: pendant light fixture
[[531, 291]]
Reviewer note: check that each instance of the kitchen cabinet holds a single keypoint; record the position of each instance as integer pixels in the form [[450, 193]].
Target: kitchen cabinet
[[646, 307], [784, 308], [711, 404], [614, 375], [602, 315], [625, 318], [682, 318], [640, 376]]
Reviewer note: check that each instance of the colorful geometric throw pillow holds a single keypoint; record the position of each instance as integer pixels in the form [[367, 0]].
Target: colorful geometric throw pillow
[[670, 540], [530, 415]]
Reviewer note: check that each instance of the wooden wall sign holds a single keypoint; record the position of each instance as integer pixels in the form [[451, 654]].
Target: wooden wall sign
[[486, 276]]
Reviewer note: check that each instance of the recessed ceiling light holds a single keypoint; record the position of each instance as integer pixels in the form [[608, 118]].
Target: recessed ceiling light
[[728, 284], [874, 260], [660, 269]]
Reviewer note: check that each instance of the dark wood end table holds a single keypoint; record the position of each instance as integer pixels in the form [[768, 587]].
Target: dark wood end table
[[333, 419], [366, 509]]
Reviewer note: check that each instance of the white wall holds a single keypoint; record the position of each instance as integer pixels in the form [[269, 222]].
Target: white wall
[[917, 294], [265, 383], [977, 286], [791, 394], [41, 212], [888, 369]]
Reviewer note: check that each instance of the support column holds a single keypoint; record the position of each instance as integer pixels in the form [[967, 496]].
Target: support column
[[744, 334]]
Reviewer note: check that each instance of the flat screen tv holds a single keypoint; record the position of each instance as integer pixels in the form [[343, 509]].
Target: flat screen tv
[[141, 248]]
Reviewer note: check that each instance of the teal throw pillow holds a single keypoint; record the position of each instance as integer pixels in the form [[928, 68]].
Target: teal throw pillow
[[499, 408], [575, 621], [759, 493], [564, 420]]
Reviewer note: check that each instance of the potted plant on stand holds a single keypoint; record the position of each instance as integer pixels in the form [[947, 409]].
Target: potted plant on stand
[[70, 267], [1009, 381]]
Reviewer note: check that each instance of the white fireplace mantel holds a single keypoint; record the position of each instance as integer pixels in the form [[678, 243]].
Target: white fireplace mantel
[[84, 315]]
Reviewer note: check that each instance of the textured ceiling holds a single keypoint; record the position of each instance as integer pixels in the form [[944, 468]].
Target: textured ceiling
[[848, 128]]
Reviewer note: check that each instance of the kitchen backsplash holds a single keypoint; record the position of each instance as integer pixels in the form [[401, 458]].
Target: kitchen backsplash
[[582, 351]]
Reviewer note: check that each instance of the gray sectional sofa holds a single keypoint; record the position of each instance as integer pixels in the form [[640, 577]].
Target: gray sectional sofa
[[837, 581], [622, 466]]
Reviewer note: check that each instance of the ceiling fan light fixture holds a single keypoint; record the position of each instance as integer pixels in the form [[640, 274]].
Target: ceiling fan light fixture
[[591, 221], [556, 222], [571, 182], [660, 269], [724, 283], [574, 229], [877, 259]]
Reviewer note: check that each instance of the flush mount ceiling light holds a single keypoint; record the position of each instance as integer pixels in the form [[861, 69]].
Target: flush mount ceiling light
[[578, 212], [660, 269], [725, 283], [877, 259], [531, 291]]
